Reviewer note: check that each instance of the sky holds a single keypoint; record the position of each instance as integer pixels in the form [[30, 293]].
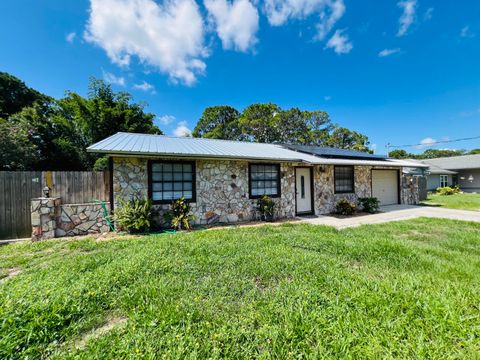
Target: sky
[[401, 72]]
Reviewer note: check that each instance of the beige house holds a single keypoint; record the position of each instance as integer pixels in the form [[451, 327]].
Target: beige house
[[223, 179]]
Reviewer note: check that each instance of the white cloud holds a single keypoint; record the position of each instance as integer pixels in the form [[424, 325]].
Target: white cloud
[[113, 79], [182, 130], [236, 23], [427, 142], [144, 86], [466, 33], [327, 98], [388, 52], [340, 43], [70, 37], [329, 12], [168, 36], [428, 14], [406, 20], [166, 119]]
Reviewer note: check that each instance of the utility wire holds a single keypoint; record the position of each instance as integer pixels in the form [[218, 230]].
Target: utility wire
[[433, 142]]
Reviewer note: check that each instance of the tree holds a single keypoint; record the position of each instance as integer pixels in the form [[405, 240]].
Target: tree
[[219, 122], [15, 95], [473, 152], [16, 150], [57, 132], [258, 123], [436, 153], [400, 154], [343, 138], [295, 126], [268, 123]]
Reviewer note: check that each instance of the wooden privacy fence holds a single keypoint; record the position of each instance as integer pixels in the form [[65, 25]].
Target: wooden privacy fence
[[17, 188]]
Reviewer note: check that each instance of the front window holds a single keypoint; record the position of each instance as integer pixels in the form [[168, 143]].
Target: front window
[[172, 180], [264, 180], [344, 179], [443, 180]]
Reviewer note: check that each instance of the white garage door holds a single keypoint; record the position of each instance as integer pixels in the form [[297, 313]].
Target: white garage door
[[385, 186]]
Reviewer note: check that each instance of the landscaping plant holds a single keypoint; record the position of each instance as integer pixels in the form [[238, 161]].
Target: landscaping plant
[[180, 215], [448, 190], [345, 207], [134, 216], [369, 204], [266, 207]]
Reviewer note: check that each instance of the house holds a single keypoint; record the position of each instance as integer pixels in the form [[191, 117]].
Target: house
[[223, 179], [463, 171]]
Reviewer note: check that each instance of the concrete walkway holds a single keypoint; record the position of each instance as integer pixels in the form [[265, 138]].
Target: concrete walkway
[[394, 213]]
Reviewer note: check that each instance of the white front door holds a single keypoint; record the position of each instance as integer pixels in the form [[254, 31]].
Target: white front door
[[304, 190]]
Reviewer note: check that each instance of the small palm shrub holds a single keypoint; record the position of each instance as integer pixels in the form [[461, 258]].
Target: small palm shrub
[[344, 207], [180, 215], [369, 204], [448, 190], [266, 207], [134, 216]]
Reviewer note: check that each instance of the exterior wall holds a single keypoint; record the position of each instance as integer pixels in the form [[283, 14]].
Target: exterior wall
[[51, 219], [81, 219], [221, 189], [467, 185], [433, 181], [222, 193]]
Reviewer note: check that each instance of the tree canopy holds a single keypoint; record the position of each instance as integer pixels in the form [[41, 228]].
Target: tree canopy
[[49, 134], [268, 123], [431, 153]]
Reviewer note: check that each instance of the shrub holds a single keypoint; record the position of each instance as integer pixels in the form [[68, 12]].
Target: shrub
[[369, 204], [180, 215], [266, 207], [448, 190], [344, 207], [134, 216]]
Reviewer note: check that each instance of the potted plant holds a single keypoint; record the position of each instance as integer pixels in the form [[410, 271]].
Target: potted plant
[[266, 207]]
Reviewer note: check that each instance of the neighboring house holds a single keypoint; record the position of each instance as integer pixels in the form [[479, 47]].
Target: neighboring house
[[436, 176], [463, 171], [223, 179]]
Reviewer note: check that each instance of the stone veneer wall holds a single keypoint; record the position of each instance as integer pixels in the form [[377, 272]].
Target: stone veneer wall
[[222, 189], [81, 219], [43, 214], [51, 219]]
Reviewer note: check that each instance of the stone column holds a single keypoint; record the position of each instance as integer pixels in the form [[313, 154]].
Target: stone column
[[44, 213]]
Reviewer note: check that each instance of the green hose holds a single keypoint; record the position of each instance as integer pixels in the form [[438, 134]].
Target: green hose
[[105, 214]]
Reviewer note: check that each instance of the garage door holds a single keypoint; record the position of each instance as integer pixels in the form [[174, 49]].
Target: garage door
[[385, 186]]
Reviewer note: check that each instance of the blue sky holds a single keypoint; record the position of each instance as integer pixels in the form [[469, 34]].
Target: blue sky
[[401, 72]]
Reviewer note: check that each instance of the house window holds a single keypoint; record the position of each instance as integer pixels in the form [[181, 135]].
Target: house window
[[170, 181], [443, 180], [264, 180], [344, 179]]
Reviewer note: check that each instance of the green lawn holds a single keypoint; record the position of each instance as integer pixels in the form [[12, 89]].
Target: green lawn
[[463, 201], [398, 290]]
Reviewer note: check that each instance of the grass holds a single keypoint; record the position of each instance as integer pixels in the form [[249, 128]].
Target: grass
[[464, 201], [398, 290]]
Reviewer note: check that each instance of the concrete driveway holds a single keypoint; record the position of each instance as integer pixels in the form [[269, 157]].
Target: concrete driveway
[[394, 213]]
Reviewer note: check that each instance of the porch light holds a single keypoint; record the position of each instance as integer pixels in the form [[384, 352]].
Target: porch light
[[470, 178], [46, 191]]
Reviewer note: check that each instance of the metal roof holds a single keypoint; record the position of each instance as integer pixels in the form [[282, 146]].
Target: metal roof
[[456, 162], [433, 169], [334, 152], [184, 147]]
